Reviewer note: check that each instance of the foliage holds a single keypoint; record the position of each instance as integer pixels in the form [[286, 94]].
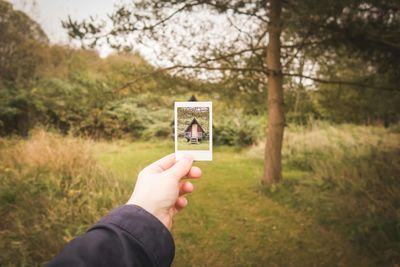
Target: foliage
[[368, 30], [21, 45], [343, 103], [127, 116], [236, 129], [78, 93]]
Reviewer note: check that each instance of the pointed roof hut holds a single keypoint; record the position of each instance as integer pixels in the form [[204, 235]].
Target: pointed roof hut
[[190, 126], [194, 132]]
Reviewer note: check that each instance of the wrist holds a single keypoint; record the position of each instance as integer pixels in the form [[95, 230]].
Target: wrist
[[158, 214]]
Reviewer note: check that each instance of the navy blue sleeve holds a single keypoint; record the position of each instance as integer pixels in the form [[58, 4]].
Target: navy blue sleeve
[[127, 236]]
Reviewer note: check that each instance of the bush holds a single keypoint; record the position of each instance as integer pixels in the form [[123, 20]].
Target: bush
[[52, 189], [162, 130], [239, 130], [129, 118]]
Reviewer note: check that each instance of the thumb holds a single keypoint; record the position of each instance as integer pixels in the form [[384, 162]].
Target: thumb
[[181, 168]]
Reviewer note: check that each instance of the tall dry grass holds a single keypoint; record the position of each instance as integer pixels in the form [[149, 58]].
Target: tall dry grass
[[49, 151], [51, 189], [323, 140], [303, 144]]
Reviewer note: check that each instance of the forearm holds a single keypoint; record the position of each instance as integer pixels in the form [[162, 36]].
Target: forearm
[[127, 236]]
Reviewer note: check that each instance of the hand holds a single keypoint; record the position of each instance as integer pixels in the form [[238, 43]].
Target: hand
[[160, 190]]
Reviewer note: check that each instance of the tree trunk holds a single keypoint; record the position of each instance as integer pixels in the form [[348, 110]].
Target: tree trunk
[[276, 119]]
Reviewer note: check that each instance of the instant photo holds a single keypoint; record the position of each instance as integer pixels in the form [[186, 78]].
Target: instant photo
[[193, 129]]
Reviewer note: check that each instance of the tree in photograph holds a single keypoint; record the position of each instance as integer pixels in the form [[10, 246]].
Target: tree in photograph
[[246, 46]]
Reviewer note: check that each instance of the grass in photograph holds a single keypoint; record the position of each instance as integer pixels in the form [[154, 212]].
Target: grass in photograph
[[201, 145]]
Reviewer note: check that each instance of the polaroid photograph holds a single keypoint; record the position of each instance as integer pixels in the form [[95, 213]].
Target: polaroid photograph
[[193, 130]]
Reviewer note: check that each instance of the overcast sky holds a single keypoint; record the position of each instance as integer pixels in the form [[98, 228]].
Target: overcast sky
[[49, 14]]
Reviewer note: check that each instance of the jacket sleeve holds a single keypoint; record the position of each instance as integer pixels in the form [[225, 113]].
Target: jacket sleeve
[[127, 236]]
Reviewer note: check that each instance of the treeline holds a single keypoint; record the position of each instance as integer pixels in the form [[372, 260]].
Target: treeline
[[75, 91]]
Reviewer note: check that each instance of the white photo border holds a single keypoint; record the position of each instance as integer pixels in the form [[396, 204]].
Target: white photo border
[[201, 155]]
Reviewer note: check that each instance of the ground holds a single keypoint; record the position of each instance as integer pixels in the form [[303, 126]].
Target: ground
[[184, 145], [230, 222]]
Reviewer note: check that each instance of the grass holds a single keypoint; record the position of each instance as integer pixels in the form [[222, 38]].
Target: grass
[[230, 221], [314, 218], [52, 189], [184, 145]]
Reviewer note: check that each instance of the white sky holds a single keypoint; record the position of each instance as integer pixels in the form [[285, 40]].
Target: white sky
[[50, 13]]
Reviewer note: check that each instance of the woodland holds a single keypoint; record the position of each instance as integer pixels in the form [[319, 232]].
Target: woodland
[[306, 128]]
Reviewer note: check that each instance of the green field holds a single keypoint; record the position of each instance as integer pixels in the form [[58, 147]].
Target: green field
[[230, 222], [184, 145], [48, 198]]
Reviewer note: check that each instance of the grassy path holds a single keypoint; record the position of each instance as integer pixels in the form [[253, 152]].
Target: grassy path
[[230, 222]]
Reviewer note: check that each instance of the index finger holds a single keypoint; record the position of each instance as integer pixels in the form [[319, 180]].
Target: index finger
[[181, 168], [162, 164]]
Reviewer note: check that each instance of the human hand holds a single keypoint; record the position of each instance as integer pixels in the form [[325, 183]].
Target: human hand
[[160, 190]]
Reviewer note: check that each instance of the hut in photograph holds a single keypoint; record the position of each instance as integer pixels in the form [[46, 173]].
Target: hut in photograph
[[194, 132]]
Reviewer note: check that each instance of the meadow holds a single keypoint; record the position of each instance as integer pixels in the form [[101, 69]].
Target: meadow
[[201, 145], [337, 206]]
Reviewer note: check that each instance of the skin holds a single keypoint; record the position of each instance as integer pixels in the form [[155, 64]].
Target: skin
[[161, 186]]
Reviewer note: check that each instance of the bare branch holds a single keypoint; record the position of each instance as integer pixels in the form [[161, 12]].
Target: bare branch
[[340, 82], [182, 67]]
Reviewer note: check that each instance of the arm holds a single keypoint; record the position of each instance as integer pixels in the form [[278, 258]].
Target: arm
[[127, 236], [137, 234]]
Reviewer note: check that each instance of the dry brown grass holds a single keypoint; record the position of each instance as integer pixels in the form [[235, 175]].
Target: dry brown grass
[[52, 189], [50, 151], [333, 140]]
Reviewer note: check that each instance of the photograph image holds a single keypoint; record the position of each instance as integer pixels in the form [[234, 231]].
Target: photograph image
[[193, 130]]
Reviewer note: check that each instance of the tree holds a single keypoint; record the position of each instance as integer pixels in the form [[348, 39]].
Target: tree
[[252, 49], [21, 52], [21, 42], [276, 118]]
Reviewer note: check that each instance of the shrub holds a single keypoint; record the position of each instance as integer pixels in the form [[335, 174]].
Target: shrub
[[127, 118], [160, 130], [237, 130]]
